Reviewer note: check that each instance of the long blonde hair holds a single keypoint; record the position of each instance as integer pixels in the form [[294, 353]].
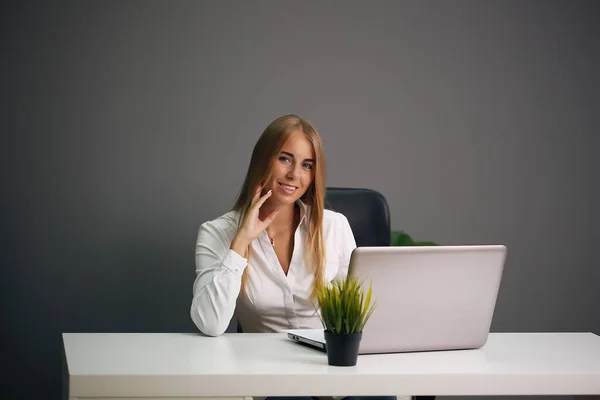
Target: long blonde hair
[[265, 152]]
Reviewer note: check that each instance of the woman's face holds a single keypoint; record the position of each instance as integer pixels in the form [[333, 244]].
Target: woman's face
[[293, 170]]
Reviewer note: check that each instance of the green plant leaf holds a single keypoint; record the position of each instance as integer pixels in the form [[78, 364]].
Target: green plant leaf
[[344, 306], [401, 238]]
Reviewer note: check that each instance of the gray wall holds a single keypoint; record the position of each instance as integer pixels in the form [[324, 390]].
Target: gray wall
[[127, 124]]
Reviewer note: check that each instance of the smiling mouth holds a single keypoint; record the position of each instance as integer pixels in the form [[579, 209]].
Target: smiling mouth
[[288, 188]]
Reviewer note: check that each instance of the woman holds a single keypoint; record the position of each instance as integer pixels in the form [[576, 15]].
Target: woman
[[265, 258]]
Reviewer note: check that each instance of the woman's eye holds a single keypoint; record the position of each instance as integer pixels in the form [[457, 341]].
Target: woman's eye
[[284, 159], [308, 166]]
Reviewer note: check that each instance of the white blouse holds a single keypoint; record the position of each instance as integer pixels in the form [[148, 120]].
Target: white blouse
[[271, 301]]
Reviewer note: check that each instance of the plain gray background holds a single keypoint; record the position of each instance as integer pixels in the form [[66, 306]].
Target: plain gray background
[[127, 124]]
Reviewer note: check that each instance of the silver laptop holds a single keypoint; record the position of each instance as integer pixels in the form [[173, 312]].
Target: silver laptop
[[428, 298]]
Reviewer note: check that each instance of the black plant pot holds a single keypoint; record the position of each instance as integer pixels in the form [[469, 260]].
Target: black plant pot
[[342, 349]]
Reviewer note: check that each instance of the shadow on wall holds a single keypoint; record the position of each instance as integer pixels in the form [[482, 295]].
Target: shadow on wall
[[125, 286]]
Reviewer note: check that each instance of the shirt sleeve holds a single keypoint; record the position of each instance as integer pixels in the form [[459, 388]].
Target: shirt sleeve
[[218, 280], [346, 245]]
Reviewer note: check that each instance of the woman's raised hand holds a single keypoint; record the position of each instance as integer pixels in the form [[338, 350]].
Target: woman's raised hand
[[252, 225]]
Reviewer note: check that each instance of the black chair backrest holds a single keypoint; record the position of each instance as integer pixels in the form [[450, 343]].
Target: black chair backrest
[[367, 212]]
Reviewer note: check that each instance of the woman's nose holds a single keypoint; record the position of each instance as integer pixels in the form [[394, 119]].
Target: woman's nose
[[292, 171]]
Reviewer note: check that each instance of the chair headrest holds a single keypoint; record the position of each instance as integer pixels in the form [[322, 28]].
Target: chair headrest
[[367, 212]]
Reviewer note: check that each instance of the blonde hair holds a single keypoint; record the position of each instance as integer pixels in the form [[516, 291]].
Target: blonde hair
[[265, 153]]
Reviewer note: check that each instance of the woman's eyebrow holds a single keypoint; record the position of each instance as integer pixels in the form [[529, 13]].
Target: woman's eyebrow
[[287, 153]]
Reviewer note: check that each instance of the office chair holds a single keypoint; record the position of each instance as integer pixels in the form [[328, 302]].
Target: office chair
[[367, 212]]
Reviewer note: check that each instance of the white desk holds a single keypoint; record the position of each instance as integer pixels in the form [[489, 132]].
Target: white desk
[[189, 365]]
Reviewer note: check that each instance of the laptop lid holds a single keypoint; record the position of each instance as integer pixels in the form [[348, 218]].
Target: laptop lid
[[428, 298]]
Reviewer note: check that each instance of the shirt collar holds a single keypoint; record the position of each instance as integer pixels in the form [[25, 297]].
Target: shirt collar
[[303, 210]]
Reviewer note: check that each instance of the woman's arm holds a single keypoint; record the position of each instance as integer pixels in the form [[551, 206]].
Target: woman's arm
[[220, 264], [218, 280]]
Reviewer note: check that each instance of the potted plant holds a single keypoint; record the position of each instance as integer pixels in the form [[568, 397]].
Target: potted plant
[[401, 238], [345, 309]]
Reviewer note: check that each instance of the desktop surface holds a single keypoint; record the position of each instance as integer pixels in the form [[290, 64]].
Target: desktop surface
[[155, 365]]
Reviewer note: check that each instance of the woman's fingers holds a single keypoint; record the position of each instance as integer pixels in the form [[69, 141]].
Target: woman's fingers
[[262, 200], [252, 223], [256, 195]]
